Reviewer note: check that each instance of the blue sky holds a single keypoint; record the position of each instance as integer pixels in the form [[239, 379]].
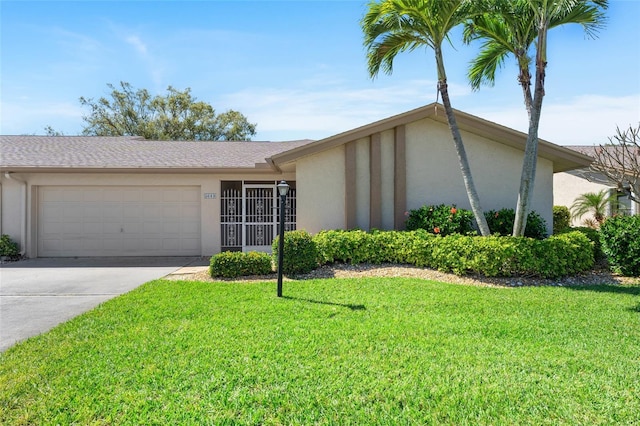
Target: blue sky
[[296, 68]]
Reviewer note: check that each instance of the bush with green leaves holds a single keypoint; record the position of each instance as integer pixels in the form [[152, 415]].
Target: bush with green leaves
[[593, 235], [232, 264], [441, 219], [8, 247], [557, 256], [561, 219], [300, 255], [372, 247], [501, 222], [621, 244]]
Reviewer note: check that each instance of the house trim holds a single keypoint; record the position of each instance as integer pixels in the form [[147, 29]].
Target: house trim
[[375, 190], [562, 158], [400, 177]]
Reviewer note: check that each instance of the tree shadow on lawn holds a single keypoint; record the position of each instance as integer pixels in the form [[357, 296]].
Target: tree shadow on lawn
[[350, 306], [632, 289]]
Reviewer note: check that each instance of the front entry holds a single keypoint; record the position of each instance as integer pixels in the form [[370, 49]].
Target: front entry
[[249, 214]]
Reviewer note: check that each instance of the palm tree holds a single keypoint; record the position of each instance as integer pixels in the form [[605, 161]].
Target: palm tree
[[394, 26], [597, 203], [512, 27]]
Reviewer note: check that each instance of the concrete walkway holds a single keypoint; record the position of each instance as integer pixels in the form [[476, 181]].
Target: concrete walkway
[[38, 294]]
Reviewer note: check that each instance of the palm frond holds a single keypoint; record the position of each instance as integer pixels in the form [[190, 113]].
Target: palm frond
[[482, 70]]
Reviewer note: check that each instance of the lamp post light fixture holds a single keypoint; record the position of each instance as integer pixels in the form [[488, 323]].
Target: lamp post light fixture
[[283, 189]]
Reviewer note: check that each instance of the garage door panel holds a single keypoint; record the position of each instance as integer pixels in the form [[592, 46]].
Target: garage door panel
[[191, 243], [119, 221], [71, 195]]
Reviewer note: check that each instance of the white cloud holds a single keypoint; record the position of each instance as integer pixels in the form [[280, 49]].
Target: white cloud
[[582, 120], [324, 110], [137, 44]]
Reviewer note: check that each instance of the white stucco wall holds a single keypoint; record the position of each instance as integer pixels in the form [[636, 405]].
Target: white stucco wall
[[12, 212], [12, 209], [320, 180]]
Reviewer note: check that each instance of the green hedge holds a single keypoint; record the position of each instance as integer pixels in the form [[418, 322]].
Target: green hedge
[[561, 219], [556, 256], [300, 253], [621, 244], [232, 264], [593, 235]]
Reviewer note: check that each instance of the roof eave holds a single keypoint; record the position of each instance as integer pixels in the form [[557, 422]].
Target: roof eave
[[264, 168]]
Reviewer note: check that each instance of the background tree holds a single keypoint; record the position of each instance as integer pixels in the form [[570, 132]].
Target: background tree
[[520, 28], [619, 161], [394, 26], [50, 131], [175, 116]]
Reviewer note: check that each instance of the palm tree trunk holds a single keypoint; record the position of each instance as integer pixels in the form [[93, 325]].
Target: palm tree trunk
[[530, 161], [474, 199]]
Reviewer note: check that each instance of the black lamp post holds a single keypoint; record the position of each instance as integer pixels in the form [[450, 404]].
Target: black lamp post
[[283, 188]]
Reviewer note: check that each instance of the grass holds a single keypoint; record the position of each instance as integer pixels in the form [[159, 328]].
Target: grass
[[357, 351]]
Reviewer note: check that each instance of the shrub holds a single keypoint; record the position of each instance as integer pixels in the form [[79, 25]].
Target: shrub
[[231, 264], [561, 219], [593, 235], [501, 222], [300, 253], [373, 247], [556, 256], [8, 247], [442, 219], [621, 244]]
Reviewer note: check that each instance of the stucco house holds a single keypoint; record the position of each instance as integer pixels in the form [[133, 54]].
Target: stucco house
[[126, 196], [571, 184]]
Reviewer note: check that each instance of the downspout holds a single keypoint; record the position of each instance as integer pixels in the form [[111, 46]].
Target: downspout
[[23, 216]]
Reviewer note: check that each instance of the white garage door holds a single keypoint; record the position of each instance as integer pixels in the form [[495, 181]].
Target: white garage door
[[118, 221]]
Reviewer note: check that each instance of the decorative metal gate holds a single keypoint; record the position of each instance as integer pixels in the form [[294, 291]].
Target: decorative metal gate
[[250, 213]]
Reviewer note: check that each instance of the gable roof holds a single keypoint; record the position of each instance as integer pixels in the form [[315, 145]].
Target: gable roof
[[563, 159], [95, 153]]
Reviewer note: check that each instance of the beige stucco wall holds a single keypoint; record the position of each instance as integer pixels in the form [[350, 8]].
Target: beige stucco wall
[[567, 187], [387, 151], [320, 181], [363, 181], [434, 177], [11, 211]]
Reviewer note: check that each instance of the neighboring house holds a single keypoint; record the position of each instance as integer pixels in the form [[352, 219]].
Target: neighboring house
[[125, 196], [569, 185]]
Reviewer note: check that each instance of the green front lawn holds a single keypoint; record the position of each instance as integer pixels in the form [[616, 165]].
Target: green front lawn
[[357, 351]]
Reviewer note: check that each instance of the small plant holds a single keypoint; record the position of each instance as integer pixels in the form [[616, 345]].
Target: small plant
[[596, 203], [300, 253], [621, 244], [441, 220], [8, 247], [232, 264], [561, 219], [501, 222]]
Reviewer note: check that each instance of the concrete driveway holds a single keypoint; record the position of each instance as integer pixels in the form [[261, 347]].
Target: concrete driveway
[[38, 294]]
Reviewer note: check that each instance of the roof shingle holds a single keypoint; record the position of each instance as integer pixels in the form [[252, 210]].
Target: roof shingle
[[133, 152]]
